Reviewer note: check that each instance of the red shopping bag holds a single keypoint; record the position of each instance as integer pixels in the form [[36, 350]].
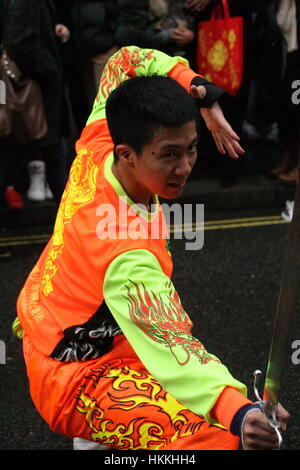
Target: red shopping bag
[[220, 48]]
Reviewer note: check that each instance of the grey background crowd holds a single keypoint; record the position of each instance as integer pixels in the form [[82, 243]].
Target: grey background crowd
[[65, 45]]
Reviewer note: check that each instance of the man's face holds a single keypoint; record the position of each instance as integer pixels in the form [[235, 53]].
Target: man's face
[[164, 165]]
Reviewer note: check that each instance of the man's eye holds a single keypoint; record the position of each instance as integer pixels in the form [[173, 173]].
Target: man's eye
[[169, 155], [192, 148]]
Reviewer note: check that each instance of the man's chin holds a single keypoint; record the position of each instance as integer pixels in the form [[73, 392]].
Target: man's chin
[[173, 192]]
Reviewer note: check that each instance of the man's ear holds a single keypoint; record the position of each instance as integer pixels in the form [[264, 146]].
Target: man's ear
[[125, 153]]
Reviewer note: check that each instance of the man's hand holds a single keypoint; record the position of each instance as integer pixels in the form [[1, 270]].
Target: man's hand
[[182, 36], [257, 432], [197, 5], [224, 136], [62, 32]]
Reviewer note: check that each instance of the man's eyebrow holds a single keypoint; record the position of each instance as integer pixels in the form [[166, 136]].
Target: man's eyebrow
[[171, 146]]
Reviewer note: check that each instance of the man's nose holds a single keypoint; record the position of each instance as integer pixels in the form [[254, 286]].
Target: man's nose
[[184, 166]]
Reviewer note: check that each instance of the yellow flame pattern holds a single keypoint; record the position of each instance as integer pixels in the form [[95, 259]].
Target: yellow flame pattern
[[145, 405]]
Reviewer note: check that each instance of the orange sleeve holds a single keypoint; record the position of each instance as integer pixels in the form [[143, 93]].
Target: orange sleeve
[[227, 405], [183, 75]]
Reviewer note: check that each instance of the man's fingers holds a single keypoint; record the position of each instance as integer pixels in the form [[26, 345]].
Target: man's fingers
[[191, 3], [223, 145], [226, 127], [193, 91], [253, 444], [215, 121], [266, 434], [230, 149], [222, 132], [177, 35], [194, 5], [197, 5], [283, 416], [218, 142], [257, 432], [232, 146], [261, 440], [237, 147], [198, 91]]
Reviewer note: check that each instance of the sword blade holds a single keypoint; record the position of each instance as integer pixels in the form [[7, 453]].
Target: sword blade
[[290, 286]]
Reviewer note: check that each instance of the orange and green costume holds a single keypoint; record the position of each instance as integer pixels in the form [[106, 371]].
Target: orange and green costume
[[108, 345]]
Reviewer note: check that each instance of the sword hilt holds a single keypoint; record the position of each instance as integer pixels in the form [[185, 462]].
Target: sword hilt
[[268, 409]]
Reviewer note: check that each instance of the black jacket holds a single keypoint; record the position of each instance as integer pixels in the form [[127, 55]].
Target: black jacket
[[99, 25]]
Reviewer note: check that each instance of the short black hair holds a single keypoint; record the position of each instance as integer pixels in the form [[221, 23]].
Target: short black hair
[[141, 105]]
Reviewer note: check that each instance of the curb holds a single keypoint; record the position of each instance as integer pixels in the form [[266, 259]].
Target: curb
[[252, 192]]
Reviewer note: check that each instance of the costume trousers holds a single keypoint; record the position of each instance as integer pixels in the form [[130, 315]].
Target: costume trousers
[[114, 401]]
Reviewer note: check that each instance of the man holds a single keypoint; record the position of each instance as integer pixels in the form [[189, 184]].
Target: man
[[108, 346]]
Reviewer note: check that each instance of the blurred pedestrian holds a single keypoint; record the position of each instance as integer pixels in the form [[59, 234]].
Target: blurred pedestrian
[[235, 107], [10, 154], [31, 41], [99, 29], [171, 28], [277, 55], [76, 106]]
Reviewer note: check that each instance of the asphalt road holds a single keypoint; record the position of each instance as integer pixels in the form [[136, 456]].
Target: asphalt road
[[229, 288]]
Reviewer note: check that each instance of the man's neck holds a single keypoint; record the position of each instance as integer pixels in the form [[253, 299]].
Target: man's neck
[[129, 186]]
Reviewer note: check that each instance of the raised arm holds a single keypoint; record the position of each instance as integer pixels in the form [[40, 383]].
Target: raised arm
[[132, 61]]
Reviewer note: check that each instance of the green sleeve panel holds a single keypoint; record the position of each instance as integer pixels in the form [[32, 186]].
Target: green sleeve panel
[[148, 309], [126, 63]]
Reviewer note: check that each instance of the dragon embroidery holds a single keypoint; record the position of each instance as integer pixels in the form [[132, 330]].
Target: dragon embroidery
[[120, 67], [164, 320]]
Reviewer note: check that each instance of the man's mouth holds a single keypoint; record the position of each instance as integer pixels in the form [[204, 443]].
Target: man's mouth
[[177, 185]]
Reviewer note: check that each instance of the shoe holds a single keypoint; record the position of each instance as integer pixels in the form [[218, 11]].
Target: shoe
[[287, 214], [13, 199], [283, 166], [84, 444], [279, 170], [48, 192], [37, 188], [290, 177]]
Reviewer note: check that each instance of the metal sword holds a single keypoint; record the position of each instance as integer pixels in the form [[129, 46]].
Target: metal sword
[[290, 285]]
